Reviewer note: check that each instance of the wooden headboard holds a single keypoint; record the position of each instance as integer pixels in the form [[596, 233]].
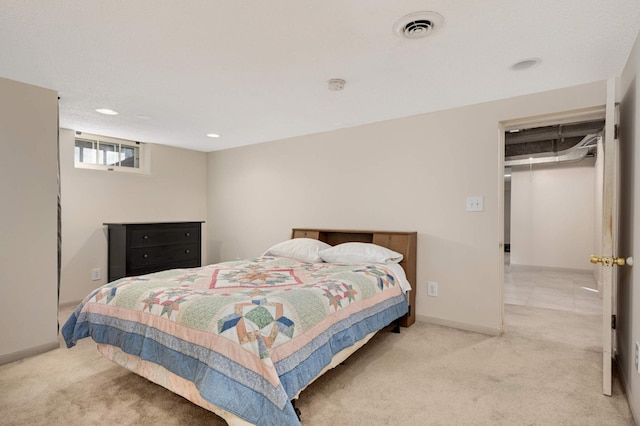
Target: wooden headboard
[[404, 243]]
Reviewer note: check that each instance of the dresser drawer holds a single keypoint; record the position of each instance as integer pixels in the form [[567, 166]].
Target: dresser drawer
[[157, 237], [145, 256]]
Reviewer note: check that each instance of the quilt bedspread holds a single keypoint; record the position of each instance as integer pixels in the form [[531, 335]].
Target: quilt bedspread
[[254, 330]]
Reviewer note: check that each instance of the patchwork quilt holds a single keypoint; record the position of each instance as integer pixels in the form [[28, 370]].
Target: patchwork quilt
[[249, 334]]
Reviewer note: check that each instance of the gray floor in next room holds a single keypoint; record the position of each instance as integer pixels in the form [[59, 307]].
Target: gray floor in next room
[[572, 291]]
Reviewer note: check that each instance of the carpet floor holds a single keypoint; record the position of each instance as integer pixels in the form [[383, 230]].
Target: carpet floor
[[546, 369]]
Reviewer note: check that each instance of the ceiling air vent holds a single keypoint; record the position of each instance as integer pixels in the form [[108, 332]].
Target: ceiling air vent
[[418, 24]]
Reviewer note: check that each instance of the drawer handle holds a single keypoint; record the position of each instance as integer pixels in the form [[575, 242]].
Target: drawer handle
[[186, 234], [187, 251], [145, 237], [144, 256]]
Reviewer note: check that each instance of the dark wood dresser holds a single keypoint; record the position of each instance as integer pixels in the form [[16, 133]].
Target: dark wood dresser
[[143, 248]]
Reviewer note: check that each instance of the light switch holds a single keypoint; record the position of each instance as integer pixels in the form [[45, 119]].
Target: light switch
[[475, 204]]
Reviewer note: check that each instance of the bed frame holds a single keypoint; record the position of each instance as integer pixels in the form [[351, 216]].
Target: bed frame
[[404, 243]]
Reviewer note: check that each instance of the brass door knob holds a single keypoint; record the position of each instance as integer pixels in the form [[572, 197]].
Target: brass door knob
[[610, 261]]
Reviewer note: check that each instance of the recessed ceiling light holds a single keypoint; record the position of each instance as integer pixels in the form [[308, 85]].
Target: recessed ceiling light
[[143, 117], [526, 64], [107, 111], [213, 135]]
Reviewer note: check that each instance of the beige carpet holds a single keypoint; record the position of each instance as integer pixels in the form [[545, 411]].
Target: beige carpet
[[545, 370]]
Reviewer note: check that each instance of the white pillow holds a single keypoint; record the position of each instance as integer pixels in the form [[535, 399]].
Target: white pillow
[[360, 253], [300, 249]]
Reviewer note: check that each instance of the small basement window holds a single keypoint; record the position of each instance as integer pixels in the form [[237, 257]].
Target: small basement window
[[105, 153]]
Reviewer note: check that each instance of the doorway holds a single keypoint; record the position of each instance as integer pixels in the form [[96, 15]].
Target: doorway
[[551, 220], [551, 188]]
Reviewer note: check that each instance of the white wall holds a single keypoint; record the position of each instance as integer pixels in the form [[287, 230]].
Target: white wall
[[552, 215], [628, 329], [174, 190], [410, 174], [29, 225]]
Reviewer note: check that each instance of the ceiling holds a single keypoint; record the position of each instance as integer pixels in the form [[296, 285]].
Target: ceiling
[[257, 71]]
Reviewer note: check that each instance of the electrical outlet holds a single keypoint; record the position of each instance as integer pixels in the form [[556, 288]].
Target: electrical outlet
[[432, 288], [637, 355], [96, 274]]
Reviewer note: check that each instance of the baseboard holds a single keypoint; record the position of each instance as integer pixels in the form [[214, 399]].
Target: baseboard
[[459, 325], [626, 388], [16, 356]]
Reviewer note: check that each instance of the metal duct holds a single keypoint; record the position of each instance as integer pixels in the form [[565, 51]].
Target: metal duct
[[575, 153]]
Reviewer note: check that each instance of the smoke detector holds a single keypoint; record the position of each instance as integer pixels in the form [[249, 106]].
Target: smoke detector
[[418, 24], [336, 84]]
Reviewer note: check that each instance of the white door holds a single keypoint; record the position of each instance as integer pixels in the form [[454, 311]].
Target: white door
[[609, 219], [608, 258]]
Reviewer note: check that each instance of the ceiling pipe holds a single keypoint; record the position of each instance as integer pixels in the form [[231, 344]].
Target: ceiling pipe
[[576, 153]]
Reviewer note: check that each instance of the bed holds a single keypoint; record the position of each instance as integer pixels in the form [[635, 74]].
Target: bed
[[244, 338]]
